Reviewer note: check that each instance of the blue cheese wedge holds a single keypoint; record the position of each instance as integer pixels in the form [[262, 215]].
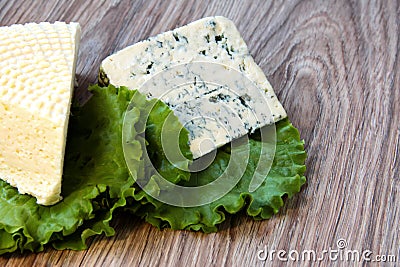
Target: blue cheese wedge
[[37, 68], [235, 110]]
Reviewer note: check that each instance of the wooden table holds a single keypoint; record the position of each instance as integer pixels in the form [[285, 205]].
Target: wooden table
[[335, 66]]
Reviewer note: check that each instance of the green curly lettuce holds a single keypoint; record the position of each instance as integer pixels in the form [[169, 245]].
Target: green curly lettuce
[[285, 177], [97, 180]]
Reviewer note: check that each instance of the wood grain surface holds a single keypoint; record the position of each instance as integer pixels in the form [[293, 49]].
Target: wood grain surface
[[334, 65]]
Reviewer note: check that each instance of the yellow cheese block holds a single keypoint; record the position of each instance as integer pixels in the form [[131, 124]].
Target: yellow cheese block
[[37, 68]]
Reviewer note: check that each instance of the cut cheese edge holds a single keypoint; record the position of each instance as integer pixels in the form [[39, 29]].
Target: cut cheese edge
[[212, 40], [37, 75]]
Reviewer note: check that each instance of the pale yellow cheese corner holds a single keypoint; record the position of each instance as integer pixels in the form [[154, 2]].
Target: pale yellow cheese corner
[[37, 68]]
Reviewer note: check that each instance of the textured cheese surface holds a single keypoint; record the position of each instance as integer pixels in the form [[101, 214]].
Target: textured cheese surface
[[37, 68], [212, 39]]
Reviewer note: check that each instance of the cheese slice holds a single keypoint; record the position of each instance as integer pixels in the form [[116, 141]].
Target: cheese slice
[[37, 68], [210, 111]]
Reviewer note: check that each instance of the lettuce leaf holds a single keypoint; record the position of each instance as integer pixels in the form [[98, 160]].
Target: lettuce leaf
[[97, 180], [284, 179]]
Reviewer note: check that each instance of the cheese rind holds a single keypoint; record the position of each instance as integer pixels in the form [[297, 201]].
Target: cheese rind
[[213, 40], [37, 68]]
